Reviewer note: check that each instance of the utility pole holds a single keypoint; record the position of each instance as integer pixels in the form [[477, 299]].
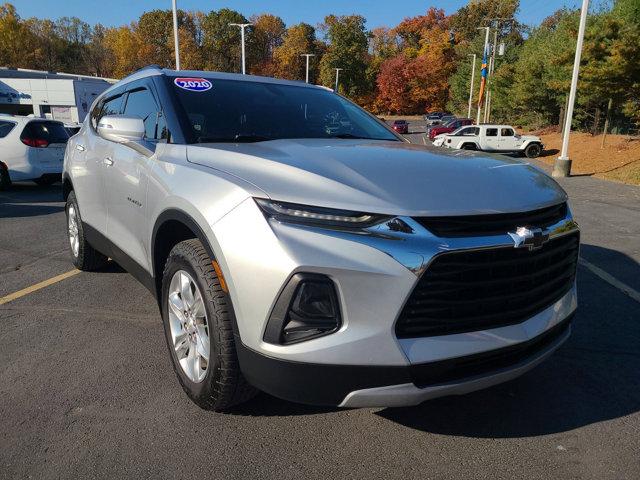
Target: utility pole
[[175, 34], [473, 75], [486, 44], [242, 27], [337, 76], [562, 167], [492, 67], [307, 55]]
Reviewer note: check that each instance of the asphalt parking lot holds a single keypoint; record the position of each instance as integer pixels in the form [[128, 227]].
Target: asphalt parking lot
[[87, 389]]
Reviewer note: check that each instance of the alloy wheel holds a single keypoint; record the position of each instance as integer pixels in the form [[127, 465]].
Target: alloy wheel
[[72, 224], [189, 326]]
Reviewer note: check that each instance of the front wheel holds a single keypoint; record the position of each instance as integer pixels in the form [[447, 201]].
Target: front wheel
[[197, 318], [533, 150]]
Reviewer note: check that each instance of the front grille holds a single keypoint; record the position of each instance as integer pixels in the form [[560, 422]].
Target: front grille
[[466, 291], [492, 224]]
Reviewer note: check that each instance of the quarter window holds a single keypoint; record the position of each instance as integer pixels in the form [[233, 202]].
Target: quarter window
[[110, 106], [140, 103], [492, 132], [5, 128]]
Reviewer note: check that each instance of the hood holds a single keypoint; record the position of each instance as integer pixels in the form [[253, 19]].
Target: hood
[[386, 177]]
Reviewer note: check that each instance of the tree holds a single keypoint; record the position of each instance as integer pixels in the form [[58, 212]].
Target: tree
[[18, 45], [123, 43], [155, 31], [347, 49], [416, 80], [221, 42], [267, 35], [288, 62]]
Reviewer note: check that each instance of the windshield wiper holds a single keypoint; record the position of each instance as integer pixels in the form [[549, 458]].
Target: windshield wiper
[[237, 139], [357, 137]]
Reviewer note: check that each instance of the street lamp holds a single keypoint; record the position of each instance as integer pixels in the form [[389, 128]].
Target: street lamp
[[307, 55], [175, 34], [242, 27], [562, 166], [473, 76], [337, 76]]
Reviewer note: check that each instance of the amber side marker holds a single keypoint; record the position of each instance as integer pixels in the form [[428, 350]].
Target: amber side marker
[[223, 283]]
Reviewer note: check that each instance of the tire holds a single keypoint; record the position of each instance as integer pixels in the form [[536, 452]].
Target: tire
[[219, 385], [83, 255], [468, 146], [45, 181], [533, 150], [5, 180]]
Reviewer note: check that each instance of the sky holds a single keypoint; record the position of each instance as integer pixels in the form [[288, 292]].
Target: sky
[[377, 12]]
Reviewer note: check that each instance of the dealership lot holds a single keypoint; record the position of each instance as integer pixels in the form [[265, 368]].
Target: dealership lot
[[87, 389]]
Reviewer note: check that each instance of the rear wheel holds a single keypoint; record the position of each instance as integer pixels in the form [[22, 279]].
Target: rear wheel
[[83, 255], [533, 150], [197, 317], [5, 179]]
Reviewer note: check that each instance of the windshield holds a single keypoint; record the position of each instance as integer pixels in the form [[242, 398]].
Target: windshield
[[246, 111]]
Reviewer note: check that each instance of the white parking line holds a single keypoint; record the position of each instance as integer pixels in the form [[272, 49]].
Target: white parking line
[[611, 280]]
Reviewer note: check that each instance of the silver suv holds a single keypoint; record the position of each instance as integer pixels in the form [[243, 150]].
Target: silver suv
[[298, 246]]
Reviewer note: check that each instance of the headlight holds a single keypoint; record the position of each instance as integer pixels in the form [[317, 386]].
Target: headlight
[[295, 213]]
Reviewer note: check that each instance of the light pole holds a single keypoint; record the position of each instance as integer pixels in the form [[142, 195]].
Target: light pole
[[562, 166], [337, 76], [473, 76], [242, 27], [484, 54], [175, 34], [307, 55]]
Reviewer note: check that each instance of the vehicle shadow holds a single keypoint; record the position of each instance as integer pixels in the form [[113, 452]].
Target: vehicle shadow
[[27, 192], [591, 378], [550, 152]]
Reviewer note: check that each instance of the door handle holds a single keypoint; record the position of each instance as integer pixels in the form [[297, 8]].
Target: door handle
[[108, 161], [79, 147]]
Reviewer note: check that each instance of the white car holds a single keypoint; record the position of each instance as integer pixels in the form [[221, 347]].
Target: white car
[[32, 149], [491, 138]]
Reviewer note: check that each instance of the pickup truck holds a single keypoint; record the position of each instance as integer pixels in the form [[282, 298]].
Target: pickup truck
[[491, 138]]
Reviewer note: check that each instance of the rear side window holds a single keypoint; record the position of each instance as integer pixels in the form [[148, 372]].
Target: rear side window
[[52, 132], [5, 128], [140, 103], [492, 132]]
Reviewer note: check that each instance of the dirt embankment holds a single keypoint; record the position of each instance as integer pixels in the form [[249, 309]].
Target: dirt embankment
[[618, 160]]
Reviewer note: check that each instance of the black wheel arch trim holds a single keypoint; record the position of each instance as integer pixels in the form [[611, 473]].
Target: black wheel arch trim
[[175, 214]]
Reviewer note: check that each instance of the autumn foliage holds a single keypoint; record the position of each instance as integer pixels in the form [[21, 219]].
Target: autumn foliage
[[420, 65]]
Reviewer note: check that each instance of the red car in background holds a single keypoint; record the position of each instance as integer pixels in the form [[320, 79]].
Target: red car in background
[[449, 127], [401, 126]]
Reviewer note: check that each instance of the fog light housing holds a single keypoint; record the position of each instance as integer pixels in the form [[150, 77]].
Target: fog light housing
[[306, 308]]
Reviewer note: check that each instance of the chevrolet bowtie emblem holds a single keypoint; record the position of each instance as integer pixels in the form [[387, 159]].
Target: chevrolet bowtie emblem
[[527, 237]]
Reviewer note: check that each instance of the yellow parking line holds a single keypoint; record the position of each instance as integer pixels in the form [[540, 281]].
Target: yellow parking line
[[38, 286]]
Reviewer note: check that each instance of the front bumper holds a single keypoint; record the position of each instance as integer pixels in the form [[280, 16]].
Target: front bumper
[[397, 386], [374, 273]]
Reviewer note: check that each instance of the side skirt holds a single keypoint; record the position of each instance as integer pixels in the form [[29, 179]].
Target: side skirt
[[110, 249]]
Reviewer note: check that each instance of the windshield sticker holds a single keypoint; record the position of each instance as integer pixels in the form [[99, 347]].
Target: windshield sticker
[[193, 84]]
